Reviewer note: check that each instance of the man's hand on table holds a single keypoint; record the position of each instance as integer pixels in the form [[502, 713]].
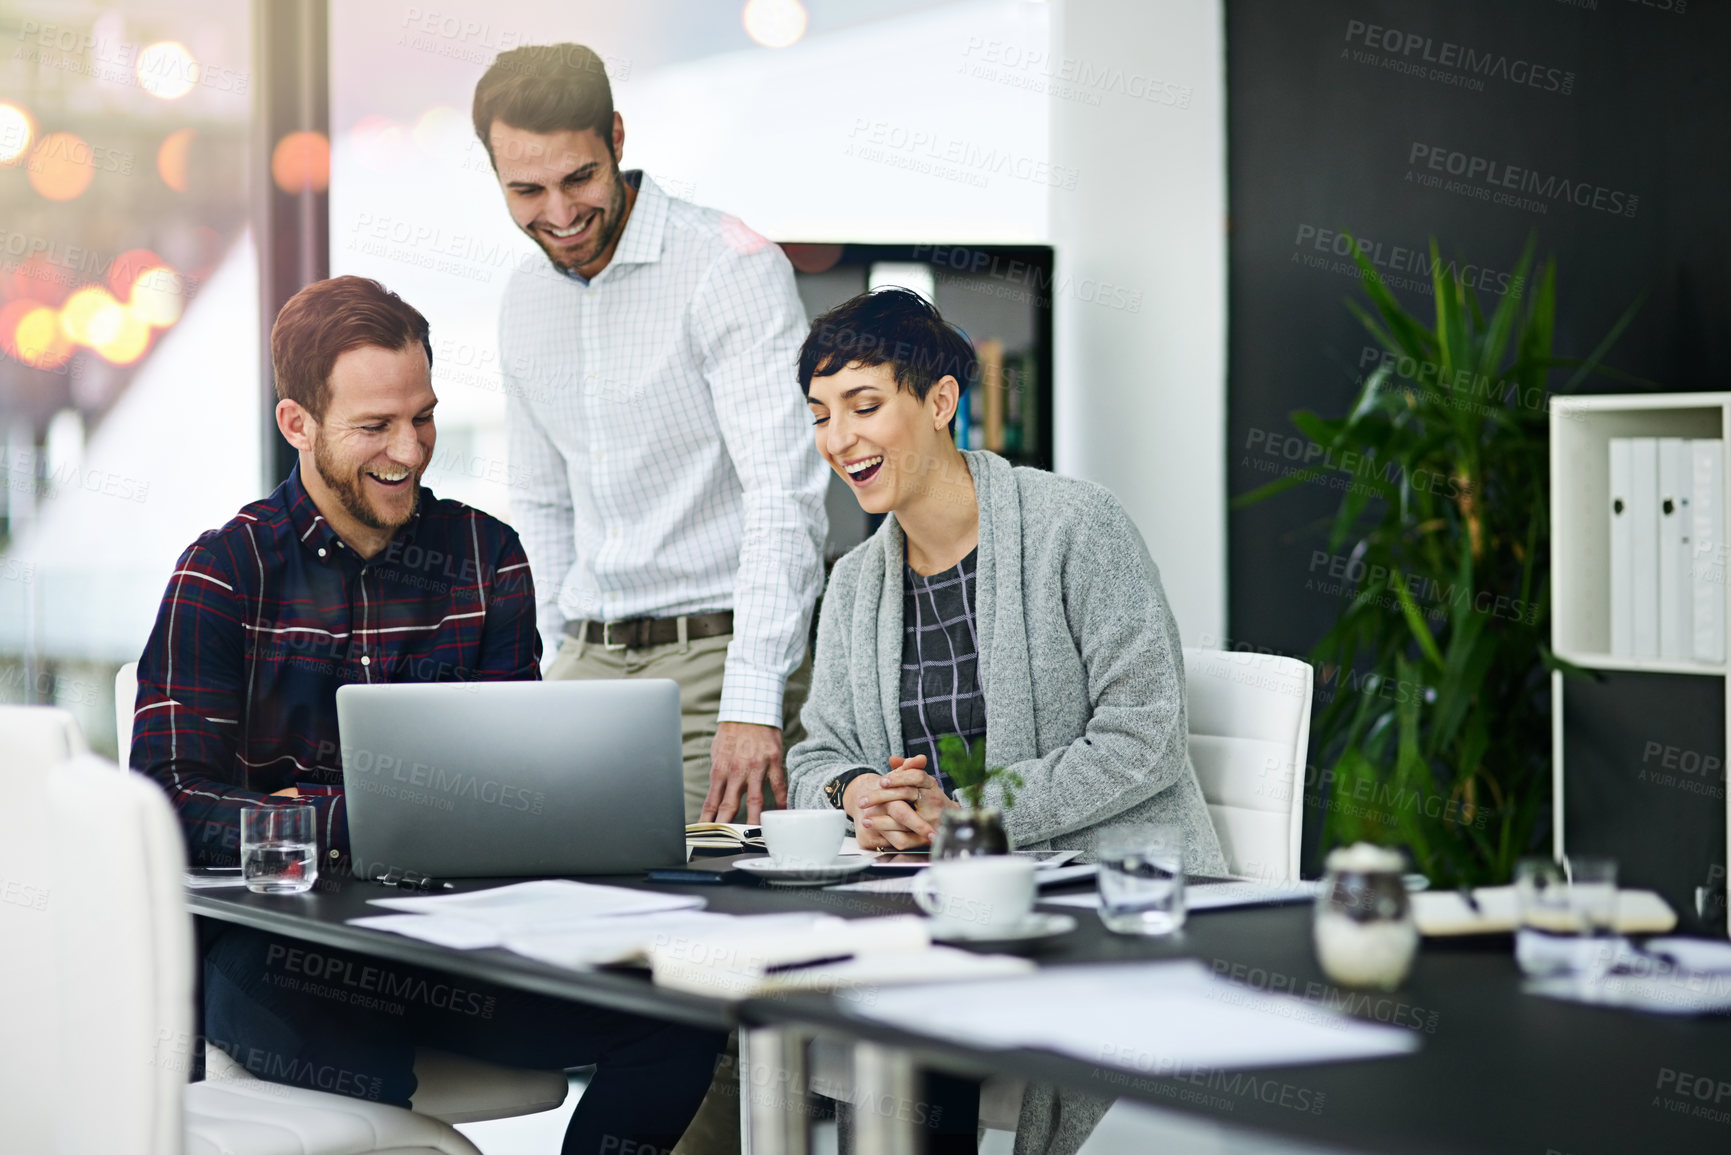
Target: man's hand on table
[[286, 792], [741, 757], [898, 810]]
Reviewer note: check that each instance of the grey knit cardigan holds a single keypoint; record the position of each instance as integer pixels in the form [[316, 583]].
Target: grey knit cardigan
[[1079, 657]]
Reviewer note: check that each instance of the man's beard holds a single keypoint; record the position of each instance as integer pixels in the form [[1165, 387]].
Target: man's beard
[[610, 223], [347, 488]]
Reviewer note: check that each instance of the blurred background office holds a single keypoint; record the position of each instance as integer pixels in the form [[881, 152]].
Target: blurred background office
[[1142, 211]]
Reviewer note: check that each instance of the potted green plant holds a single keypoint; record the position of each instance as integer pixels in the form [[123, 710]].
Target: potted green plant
[[973, 828], [1437, 734]]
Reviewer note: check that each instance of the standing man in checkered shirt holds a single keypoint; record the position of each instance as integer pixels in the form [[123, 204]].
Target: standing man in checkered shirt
[[673, 504]]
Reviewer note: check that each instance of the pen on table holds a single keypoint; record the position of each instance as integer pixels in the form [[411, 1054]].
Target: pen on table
[[409, 880]]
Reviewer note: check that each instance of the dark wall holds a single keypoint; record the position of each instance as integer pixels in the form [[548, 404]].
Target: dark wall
[[1333, 125]]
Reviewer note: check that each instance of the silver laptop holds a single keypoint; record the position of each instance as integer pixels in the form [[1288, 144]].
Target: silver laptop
[[509, 779]]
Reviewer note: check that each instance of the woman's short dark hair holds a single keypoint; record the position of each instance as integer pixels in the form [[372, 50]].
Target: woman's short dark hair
[[889, 326], [545, 88], [327, 319]]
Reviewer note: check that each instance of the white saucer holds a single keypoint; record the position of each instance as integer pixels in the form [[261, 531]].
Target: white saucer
[[804, 874], [1037, 925]]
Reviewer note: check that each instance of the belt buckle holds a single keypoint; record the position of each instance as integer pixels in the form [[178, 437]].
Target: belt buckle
[[607, 642]]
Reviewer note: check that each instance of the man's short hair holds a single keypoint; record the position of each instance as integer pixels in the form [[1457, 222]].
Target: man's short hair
[[327, 319], [889, 326], [545, 88]]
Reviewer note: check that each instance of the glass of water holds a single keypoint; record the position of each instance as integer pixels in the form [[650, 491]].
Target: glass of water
[[1593, 895], [1141, 878], [279, 849], [1567, 917]]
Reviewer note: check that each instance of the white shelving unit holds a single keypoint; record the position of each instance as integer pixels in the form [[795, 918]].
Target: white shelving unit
[[1581, 432]]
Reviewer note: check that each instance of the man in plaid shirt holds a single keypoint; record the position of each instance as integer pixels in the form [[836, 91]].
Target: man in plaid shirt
[[352, 572]]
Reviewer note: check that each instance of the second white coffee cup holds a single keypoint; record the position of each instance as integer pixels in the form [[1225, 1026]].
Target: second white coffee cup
[[980, 895], [803, 837]]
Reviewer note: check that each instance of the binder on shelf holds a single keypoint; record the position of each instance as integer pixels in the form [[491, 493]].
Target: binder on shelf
[[991, 353], [1622, 552], [1676, 594], [1707, 550], [1644, 543]]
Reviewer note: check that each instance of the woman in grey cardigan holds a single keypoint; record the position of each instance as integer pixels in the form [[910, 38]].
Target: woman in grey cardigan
[[1009, 606], [1006, 604]]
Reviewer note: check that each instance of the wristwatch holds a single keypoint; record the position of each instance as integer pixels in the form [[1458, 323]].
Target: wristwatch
[[837, 786]]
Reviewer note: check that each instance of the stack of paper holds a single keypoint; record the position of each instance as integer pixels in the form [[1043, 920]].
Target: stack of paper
[[485, 918], [1666, 976], [629, 941], [734, 962], [1151, 1018]]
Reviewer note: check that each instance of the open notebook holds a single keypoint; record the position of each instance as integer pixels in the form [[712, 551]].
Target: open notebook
[[1445, 912], [734, 837]]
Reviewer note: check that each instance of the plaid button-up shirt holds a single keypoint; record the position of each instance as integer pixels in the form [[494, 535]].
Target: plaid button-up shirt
[[941, 691], [263, 620]]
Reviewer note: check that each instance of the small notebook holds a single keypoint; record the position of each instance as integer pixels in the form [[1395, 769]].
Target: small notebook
[[732, 837], [1445, 912]]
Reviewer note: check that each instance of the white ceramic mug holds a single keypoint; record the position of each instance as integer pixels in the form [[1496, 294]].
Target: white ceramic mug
[[982, 894], [803, 837]]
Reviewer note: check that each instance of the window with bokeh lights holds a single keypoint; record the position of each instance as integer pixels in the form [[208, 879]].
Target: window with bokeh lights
[[130, 402]]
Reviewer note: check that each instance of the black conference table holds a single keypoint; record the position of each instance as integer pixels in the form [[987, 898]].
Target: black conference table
[[1498, 1070]]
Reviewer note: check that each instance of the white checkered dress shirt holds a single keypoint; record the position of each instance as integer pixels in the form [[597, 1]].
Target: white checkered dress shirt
[[666, 454]]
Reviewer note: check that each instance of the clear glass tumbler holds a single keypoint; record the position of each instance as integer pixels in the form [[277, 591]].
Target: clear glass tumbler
[[279, 849], [1548, 923], [1141, 878], [1593, 897]]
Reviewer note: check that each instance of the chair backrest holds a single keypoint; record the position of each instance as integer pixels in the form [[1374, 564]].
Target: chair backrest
[[1249, 731], [34, 740], [123, 946], [125, 700]]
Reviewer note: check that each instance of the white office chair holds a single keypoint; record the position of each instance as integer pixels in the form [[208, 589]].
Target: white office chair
[[125, 698], [1249, 731], [119, 945], [452, 1088], [1249, 720], [33, 741]]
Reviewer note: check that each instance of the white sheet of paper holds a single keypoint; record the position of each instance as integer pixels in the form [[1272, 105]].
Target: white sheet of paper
[[610, 941], [1695, 955], [543, 903], [213, 881], [1217, 895], [899, 884], [440, 930], [1148, 1018], [1672, 994]]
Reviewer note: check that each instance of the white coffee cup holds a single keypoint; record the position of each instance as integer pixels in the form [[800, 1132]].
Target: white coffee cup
[[803, 837], [982, 895]]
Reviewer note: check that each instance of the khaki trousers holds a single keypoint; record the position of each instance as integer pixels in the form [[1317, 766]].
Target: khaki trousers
[[697, 666]]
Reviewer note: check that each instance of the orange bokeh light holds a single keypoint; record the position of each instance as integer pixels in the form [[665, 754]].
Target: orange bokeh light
[[17, 130], [157, 297], [81, 310], [301, 162], [10, 314], [30, 332], [126, 268], [40, 342], [61, 166], [171, 158], [39, 279], [119, 335]]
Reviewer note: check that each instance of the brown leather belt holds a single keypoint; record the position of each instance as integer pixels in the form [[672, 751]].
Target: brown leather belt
[[639, 633]]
